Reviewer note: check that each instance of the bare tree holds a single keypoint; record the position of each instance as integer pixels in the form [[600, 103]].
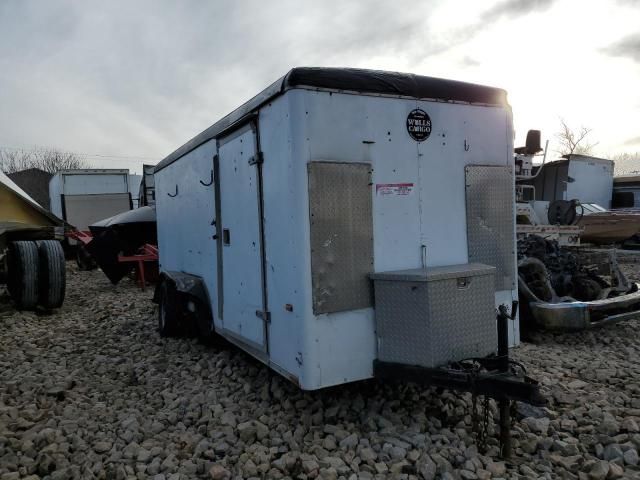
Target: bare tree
[[626, 163], [572, 141], [47, 159]]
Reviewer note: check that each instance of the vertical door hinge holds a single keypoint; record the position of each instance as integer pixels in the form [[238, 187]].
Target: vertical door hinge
[[264, 315], [257, 159]]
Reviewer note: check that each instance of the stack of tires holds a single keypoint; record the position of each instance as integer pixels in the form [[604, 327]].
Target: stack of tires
[[36, 274]]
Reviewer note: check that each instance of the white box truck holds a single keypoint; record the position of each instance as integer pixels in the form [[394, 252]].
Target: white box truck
[[84, 196], [275, 223], [577, 177]]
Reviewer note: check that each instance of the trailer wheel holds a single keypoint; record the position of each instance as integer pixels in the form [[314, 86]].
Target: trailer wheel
[[167, 311], [23, 274], [52, 273], [203, 321], [84, 259]]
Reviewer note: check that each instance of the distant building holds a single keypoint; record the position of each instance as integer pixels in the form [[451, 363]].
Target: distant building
[[626, 191], [35, 182]]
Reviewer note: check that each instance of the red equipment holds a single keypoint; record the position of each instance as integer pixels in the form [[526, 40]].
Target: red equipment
[[146, 253]]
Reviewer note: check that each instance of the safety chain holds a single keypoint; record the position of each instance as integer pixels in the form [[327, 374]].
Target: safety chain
[[481, 429], [485, 426], [513, 405]]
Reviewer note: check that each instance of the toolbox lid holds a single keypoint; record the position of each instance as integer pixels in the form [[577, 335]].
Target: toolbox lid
[[430, 274]]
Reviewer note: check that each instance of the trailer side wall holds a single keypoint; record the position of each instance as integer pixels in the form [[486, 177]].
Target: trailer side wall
[[185, 232]]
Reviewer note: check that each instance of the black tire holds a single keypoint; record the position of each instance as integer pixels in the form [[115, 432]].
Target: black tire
[[84, 259], [204, 321], [52, 274], [23, 274], [168, 324]]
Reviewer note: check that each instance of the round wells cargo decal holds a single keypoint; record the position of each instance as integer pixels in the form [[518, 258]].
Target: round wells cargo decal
[[418, 125]]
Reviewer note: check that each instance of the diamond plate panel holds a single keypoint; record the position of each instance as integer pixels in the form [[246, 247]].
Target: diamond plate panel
[[463, 321], [490, 220], [341, 227], [435, 322]]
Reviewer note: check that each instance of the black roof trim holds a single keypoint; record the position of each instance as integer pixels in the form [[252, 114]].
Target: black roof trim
[[355, 80], [394, 83]]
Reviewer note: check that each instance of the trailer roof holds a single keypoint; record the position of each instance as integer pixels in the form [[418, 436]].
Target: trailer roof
[[94, 171], [575, 158], [627, 178], [373, 82]]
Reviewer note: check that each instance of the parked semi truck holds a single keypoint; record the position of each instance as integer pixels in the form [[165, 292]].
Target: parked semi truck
[[31, 257]]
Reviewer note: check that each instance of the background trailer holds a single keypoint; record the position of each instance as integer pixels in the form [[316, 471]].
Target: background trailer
[[580, 177], [280, 218], [84, 196]]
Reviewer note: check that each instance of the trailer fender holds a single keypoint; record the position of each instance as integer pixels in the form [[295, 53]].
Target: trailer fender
[[193, 298]]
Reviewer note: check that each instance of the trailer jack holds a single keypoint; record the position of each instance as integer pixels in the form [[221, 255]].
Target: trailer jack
[[492, 377]]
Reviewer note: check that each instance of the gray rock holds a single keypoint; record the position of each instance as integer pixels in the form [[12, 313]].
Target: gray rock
[[10, 476], [397, 453], [528, 472], [615, 471], [630, 425], [329, 442], [218, 472], [262, 431], [599, 470], [631, 457], [612, 452], [144, 455], [349, 442], [537, 425], [228, 418], [247, 431], [309, 466], [577, 384], [608, 427], [102, 447], [426, 467], [368, 455], [467, 475], [497, 469], [483, 474]]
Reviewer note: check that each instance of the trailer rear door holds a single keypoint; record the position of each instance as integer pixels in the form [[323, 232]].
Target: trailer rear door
[[84, 210], [240, 233]]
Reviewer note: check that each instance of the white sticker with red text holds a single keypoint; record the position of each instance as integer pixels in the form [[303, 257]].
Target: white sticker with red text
[[394, 189]]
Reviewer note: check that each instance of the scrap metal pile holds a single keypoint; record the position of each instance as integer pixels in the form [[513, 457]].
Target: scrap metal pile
[[555, 274]]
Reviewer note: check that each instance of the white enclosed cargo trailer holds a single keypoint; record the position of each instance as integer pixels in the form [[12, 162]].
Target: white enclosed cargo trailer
[[577, 177], [84, 196], [276, 222]]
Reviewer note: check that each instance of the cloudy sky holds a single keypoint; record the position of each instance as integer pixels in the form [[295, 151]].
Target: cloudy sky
[[136, 79]]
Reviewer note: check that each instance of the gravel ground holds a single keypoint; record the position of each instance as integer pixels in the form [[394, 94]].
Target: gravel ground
[[93, 392]]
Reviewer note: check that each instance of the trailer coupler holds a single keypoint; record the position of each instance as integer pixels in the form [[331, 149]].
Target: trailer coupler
[[494, 384]]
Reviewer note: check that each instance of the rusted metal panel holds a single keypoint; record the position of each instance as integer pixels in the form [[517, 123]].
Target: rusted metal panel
[[341, 230]]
